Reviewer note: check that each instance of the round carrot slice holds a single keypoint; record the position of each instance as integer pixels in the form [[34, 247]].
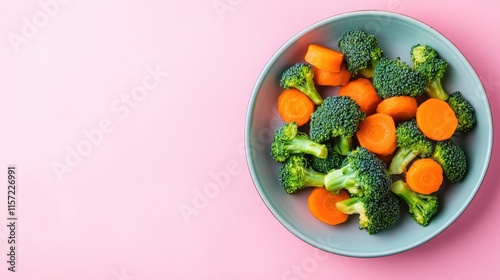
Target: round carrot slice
[[295, 106], [322, 204], [436, 119]]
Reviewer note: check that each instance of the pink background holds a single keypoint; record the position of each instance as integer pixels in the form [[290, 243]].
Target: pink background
[[154, 95]]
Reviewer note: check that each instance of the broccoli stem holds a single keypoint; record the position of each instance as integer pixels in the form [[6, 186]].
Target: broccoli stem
[[417, 204], [368, 71], [302, 144], [339, 179], [400, 160], [435, 90], [313, 178], [351, 205], [342, 144], [309, 89], [405, 193]]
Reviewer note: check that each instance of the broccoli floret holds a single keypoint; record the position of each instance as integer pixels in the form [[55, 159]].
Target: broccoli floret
[[289, 140], [333, 160], [397, 78], [295, 174], [422, 207], [426, 62], [301, 77], [375, 213], [463, 111], [421, 53], [361, 52], [452, 159], [336, 119], [362, 174], [411, 143]]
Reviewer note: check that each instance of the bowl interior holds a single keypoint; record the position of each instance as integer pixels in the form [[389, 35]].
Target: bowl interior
[[396, 34]]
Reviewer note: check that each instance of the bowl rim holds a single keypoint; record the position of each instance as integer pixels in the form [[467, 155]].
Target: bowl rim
[[249, 121]]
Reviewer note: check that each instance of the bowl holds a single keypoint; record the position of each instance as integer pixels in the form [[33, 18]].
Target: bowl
[[396, 34]]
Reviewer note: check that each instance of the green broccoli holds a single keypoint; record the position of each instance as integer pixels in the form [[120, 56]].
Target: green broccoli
[[333, 160], [412, 143], [289, 140], [301, 77], [452, 158], [426, 62], [362, 174], [463, 110], [361, 52], [421, 53], [376, 213], [422, 207], [337, 120], [296, 174], [397, 78]]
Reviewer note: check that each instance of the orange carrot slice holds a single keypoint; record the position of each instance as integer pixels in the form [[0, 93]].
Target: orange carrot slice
[[324, 58], [328, 78], [321, 203], [424, 176], [377, 133], [295, 106], [400, 108], [363, 92], [436, 119]]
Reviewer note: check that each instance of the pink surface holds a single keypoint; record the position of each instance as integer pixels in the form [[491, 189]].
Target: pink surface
[[119, 115]]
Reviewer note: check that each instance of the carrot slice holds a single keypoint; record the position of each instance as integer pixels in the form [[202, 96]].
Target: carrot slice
[[321, 203], [436, 119], [295, 106], [363, 92], [400, 108], [377, 133], [324, 58], [328, 78], [424, 176]]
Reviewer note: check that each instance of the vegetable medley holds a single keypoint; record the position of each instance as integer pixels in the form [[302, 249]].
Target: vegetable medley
[[385, 140]]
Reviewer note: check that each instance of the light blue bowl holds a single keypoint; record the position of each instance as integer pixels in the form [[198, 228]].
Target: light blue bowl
[[396, 34]]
